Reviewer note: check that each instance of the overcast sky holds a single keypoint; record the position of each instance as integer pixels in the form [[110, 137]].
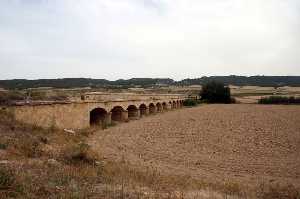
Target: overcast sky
[[179, 39]]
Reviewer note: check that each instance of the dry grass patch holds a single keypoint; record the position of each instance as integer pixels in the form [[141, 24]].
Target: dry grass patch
[[79, 153], [277, 191], [9, 186]]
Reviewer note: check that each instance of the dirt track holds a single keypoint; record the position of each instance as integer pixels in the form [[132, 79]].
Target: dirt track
[[244, 143]]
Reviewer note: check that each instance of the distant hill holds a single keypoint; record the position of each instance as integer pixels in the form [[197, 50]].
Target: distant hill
[[272, 81], [247, 81], [82, 82]]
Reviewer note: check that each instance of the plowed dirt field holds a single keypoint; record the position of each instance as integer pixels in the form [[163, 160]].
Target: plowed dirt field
[[243, 143]]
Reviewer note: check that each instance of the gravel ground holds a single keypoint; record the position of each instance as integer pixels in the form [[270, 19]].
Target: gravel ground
[[243, 143]]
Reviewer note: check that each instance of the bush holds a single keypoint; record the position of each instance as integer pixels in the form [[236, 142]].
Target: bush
[[51, 96], [80, 153], [279, 100], [190, 102], [29, 146], [216, 92], [3, 146], [7, 98], [6, 179], [277, 191]]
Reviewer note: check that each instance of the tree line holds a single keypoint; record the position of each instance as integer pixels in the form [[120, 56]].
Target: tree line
[[270, 81]]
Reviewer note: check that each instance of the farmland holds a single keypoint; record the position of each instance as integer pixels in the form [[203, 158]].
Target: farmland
[[241, 143], [208, 151]]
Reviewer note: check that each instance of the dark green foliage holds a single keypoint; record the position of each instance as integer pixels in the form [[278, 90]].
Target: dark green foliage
[[274, 81], [215, 92], [82, 82], [279, 100], [6, 178], [56, 83], [3, 146], [190, 102], [232, 100]]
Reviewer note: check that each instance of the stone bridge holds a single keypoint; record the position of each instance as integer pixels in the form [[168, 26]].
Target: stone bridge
[[95, 109]]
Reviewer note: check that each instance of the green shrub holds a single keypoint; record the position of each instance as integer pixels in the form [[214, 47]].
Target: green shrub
[[3, 146], [279, 100], [216, 92], [7, 179], [232, 100], [190, 102]]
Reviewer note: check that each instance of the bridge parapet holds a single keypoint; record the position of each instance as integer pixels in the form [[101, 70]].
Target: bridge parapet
[[98, 96]]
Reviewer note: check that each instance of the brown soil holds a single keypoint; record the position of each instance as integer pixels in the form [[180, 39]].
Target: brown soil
[[240, 143]]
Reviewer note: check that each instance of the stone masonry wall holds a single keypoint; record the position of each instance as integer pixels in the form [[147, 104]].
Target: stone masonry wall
[[73, 115]]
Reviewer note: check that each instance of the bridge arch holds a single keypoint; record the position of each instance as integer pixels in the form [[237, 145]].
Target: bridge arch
[[143, 109], [164, 106], [117, 113], [170, 104], [174, 105], [133, 112], [159, 107], [97, 116], [152, 108]]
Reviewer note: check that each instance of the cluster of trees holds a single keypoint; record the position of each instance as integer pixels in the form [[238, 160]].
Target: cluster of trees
[[273, 81], [83, 82], [212, 92], [270, 81], [279, 100], [216, 92]]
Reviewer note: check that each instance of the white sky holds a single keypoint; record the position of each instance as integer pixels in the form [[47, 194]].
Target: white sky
[[179, 39]]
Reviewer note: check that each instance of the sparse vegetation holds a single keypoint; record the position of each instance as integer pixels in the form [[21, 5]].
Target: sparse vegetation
[[9, 97], [46, 95], [279, 100], [190, 102], [277, 191], [80, 153], [232, 188], [12, 96], [3, 146], [28, 146], [6, 178]]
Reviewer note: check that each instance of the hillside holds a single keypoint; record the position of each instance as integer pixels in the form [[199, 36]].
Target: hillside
[[273, 81]]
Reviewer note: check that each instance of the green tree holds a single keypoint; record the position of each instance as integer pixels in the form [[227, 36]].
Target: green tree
[[215, 92]]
